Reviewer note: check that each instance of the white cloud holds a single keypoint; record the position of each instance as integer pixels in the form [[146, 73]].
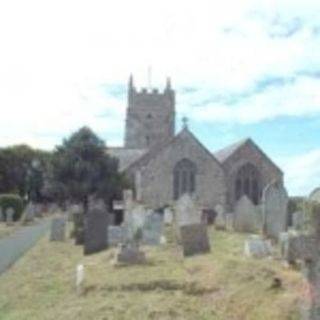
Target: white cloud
[[302, 172]]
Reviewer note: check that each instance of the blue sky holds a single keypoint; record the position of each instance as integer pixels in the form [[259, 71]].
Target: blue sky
[[240, 68]]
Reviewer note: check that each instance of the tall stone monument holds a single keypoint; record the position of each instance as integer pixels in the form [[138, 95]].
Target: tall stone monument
[[274, 208]]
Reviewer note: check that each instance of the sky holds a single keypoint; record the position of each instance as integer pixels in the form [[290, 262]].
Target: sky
[[245, 68]]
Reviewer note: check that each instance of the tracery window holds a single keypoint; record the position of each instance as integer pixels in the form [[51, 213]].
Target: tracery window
[[248, 182], [184, 178]]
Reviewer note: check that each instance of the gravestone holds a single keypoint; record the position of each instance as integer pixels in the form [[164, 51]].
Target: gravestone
[[194, 239], [305, 247], [229, 221], [298, 220], [78, 225], [9, 216], [80, 279], [152, 229], [315, 195], [257, 247], [245, 219], [128, 254], [168, 216], [115, 235], [274, 208], [220, 219], [128, 203], [95, 228], [28, 214], [58, 229], [187, 212]]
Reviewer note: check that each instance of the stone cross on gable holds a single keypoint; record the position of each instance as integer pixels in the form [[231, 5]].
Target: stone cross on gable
[[307, 249]]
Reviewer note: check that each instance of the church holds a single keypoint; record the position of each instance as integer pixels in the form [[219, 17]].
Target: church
[[163, 165]]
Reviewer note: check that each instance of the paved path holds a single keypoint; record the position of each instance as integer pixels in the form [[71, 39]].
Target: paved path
[[18, 243]]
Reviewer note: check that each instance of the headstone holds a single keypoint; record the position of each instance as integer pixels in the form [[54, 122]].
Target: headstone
[[298, 220], [128, 202], [58, 229], [245, 219], [229, 221], [274, 207], [128, 254], [257, 247], [153, 229], [115, 235], [29, 213], [194, 239], [187, 212], [9, 216], [168, 216], [315, 195], [220, 219], [305, 247], [80, 279], [95, 228]]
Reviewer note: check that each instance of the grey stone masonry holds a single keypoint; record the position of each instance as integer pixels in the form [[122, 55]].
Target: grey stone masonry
[[245, 216], [58, 229]]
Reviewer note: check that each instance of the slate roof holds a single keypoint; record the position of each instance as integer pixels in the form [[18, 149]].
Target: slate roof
[[223, 154], [126, 156]]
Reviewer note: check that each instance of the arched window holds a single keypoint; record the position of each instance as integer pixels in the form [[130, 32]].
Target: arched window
[[184, 178], [248, 182]]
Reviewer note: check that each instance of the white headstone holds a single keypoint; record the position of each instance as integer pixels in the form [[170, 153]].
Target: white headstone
[[168, 215], [220, 220], [257, 247], [274, 207], [80, 279], [187, 212], [245, 219]]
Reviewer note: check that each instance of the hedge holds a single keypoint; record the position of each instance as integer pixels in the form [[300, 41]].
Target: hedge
[[13, 201]]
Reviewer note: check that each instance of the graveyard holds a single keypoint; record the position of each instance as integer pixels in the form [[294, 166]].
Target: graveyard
[[222, 284]]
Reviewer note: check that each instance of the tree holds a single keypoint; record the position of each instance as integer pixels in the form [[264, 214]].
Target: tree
[[82, 168]]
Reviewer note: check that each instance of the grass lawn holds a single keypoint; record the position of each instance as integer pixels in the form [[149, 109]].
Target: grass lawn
[[7, 230], [220, 285]]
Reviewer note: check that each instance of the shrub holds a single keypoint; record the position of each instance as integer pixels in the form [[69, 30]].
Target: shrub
[[13, 201]]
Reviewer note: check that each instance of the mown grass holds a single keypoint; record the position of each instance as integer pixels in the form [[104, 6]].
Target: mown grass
[[6, 230], [220, 285]]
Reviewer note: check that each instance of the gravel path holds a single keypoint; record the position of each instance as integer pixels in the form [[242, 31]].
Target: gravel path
[[18, 243]]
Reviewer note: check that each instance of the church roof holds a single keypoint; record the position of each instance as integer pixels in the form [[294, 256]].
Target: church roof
[[223, 154], [126, 156], [158, 148]]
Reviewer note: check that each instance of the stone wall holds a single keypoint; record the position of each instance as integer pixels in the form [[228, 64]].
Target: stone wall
[[156, 177], [249, 154]]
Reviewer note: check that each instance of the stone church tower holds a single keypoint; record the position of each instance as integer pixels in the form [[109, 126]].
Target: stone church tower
[[150, 118]]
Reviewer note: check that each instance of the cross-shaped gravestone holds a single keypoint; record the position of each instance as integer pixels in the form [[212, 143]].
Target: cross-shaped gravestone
[[307, 249]]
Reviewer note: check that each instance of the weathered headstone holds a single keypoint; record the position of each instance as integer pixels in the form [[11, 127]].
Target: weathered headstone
[[128, 254], [245, 219], [298, 220], [168, 216], [305, 247], [28, 213], [95, 228], [115, 235], [9, 216], [229, 221], [274, 207], [80, 279], [220, 219], [153, 229], [315, 195], [194, 239], [257, 247], [187, 212], [58, 229]]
